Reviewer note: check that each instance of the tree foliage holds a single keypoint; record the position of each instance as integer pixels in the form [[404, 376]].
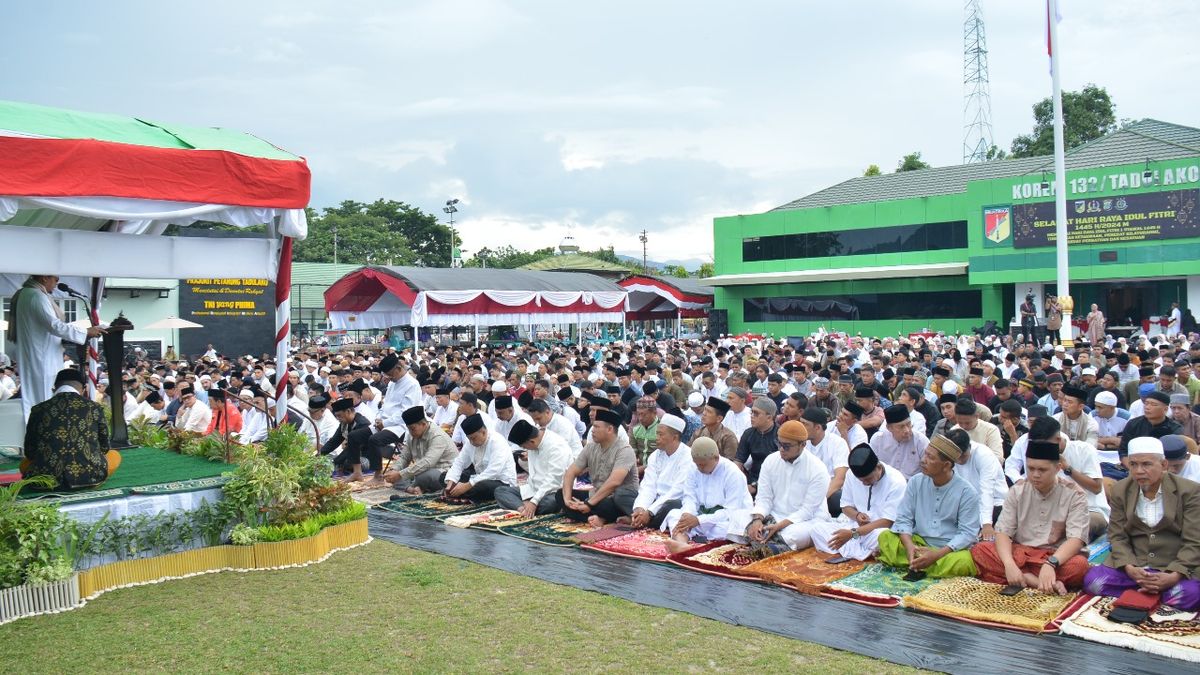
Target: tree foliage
[[911, 162], [383, 232], [705, 271], [677, 271], [1088, 114], [872, 170], [506, 257]]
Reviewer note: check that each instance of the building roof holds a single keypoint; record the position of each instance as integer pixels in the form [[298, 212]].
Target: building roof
[[319, 274], [1145, 140], [474, 279], [575, 262], [683, 285]]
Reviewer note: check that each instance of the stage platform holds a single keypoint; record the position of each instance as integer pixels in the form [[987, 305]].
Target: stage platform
[[149, 481]]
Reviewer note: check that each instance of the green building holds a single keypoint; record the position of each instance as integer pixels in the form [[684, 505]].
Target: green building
[[948, 248]]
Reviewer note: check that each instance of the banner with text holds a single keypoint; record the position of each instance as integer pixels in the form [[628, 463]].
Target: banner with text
[[238, 316], [1104, 220]]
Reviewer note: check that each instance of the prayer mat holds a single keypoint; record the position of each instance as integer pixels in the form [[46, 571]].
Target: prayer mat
[[181, 486], [552, 530], [805, 571], [644, 544], [877, 585], [142, 468], [722, 558], [375, 496], [1168, 632], [606, 532], [975, 601], [432, 506], [9, 477], [1099, 550], [485, 520], [63, 498]]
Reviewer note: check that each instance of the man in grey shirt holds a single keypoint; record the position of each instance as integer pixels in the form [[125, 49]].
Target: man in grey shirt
[[424, 458]]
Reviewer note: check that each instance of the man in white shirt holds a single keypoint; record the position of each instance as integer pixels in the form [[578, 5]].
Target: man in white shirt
[[403, 392], [324, 424], [1075, 423], [847, 426], [661, 487], [791, 497], [150, 409], [484, 463], [1174, 320], [897, 444], [507, 415], [193, 415], [559, 424], [445, 412], [737, 419], [545, 457], [1109, 426], [714, 490], [982, 470], [831, 450], [1179, 461], [870, 497]]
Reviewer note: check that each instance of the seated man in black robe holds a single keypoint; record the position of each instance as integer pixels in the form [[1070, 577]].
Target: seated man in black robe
[[353, 432], [66, 437]]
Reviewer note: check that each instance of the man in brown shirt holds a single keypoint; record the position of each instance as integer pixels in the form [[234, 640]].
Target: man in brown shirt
[[1041, 530], [610, 464], [712, 418], [1154, 531]]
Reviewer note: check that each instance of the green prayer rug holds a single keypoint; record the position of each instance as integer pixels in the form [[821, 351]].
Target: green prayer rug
[[143, 469], [877, 584], [431, 506], [553, 529]]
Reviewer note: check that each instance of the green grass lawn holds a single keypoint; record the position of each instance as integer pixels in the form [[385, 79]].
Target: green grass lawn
[[385, 607]]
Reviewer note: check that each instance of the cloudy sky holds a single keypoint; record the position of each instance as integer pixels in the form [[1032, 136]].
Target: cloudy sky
[[596, 119]]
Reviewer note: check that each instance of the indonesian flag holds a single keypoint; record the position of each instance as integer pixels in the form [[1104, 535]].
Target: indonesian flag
[[1049, 41]]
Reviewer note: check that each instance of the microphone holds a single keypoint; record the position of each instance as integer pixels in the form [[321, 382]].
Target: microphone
[[71, 291]]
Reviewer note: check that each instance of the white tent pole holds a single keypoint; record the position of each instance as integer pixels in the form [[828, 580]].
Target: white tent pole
[[678, 323], [477, 331]]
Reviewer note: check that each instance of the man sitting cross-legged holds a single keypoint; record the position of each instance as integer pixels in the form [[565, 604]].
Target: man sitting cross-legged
[[714, 491], [609, 462], [1154, 532], [791, 498], [938, 519], [484, 464], [661, 488], [546, 457], [425, 457], [1042, 527], [870, 497]]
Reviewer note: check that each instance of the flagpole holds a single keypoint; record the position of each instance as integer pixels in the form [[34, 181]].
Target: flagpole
[[1060, 180]]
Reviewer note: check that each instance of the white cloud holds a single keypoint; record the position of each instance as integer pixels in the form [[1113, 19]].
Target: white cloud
[[400, 154]]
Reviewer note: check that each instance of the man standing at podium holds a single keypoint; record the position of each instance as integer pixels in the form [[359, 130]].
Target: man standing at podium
[[39, 332]]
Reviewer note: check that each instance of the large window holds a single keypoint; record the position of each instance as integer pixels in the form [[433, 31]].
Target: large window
[[895, 239], [866, 307]]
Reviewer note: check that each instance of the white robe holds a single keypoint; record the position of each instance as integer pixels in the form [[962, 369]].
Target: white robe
[[725, 487], [877, 501], [40, 334]]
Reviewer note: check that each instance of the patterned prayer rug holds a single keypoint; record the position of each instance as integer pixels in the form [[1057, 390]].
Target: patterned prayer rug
[[182, 486], [1098, 550], [553, 530], [606, 532], [432, 506], [877, 585], [644, 544], [974, 601], [1168, 632], [62, 498], [489, 519], [722, 558], [806, 571]]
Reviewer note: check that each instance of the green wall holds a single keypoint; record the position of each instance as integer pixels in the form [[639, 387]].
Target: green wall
[[731, 297]]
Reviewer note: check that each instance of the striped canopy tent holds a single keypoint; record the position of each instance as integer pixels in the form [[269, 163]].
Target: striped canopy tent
[[654, 298], [384, 297], [80, 192]]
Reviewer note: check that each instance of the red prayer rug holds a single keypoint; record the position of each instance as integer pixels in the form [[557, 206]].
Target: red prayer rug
[[645, 544], [722, 558]]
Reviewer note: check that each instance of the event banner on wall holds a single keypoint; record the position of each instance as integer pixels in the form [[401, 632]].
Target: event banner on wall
[[238, 316], [1109, 220]]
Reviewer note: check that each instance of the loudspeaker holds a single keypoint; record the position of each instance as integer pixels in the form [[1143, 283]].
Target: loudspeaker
[[718, 324]]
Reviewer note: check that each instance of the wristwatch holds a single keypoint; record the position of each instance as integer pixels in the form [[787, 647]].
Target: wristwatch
[[854, 532], [1068, 470], [1052, 561]]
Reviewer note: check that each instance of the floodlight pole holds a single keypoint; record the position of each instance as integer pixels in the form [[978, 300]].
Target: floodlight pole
[[1066, 333]]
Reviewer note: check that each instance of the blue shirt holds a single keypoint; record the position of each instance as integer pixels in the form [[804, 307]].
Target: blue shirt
[[942, 516]]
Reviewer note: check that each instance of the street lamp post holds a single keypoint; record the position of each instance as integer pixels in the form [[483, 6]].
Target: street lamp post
[[335, 243], [450, 209], [643, 238]]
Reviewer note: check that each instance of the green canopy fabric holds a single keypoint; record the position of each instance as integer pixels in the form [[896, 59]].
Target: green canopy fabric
[[36, 120]]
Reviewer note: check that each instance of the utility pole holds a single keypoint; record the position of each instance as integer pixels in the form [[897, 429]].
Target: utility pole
[[643, 238], [451, 209], [335, 242]]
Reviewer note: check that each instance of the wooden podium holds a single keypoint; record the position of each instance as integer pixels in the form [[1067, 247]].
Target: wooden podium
[[114, 360]]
